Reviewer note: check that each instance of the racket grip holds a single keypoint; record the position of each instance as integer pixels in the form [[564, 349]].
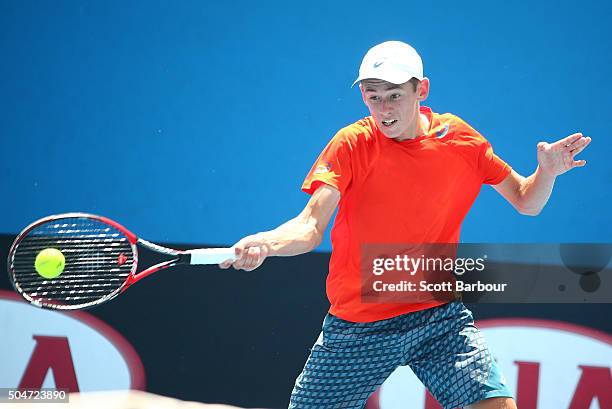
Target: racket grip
[[211, 256]]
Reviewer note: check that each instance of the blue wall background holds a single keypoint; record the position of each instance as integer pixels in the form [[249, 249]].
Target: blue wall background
[[196, 121]]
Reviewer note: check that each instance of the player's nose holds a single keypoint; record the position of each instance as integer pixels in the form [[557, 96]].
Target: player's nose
[[385, 107]]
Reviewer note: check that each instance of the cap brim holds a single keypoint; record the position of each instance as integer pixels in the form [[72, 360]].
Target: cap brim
[[393, 78]]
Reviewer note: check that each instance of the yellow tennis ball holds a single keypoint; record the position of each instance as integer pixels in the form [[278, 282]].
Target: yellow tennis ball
[[50, 263]]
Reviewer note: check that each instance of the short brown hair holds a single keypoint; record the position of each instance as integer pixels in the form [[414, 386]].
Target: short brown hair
[[414, 82]]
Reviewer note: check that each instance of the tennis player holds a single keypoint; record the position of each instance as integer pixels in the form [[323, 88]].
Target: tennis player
[[404, 174]]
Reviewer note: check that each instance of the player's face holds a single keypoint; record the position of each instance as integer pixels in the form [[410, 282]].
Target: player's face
[[395, 108]]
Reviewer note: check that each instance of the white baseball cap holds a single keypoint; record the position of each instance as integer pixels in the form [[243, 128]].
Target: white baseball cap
[[392, 61]]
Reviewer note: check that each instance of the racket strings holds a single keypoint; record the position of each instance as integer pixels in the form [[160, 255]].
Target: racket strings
[[98, 260]]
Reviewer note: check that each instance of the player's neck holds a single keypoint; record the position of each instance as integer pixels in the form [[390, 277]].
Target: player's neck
[[422, 125], [419, 127]]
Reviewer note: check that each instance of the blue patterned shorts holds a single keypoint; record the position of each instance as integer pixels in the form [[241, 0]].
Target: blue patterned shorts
[[441, 345]]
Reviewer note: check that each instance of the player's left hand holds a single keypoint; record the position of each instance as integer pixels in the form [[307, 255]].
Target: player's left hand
[[558, 157]]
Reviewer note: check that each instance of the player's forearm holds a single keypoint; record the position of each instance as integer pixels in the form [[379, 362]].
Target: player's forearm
[[535, 191], [295, 237]]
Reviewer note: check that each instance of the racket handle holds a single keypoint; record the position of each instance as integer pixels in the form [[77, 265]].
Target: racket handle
[[211, 256]]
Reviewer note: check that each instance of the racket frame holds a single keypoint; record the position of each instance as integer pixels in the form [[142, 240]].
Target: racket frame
[[132, 239], [179, 257]]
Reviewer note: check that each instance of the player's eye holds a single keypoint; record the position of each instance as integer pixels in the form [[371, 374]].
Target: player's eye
[[395, 97], [374, 98]]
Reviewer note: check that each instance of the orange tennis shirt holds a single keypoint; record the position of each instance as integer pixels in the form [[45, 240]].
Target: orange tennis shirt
[[412, 191]]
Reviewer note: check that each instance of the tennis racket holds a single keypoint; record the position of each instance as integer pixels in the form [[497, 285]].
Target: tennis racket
[[101, 260]]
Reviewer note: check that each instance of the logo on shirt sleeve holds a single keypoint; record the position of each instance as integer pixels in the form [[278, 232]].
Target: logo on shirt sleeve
[[323, 167], [441, 133]]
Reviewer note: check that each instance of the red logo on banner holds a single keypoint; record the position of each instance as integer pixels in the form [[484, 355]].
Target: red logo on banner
[[50, 353], [595, 382], [53, 349]]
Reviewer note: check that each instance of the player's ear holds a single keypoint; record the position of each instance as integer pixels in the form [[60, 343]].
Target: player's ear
[[423, 89]]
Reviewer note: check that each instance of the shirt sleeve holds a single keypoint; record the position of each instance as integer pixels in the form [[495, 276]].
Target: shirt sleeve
[[332, 167], [491, 167]]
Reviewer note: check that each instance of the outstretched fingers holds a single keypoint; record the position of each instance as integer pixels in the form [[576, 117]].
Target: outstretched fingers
[[568, 141], [575, 148], [579, 145]]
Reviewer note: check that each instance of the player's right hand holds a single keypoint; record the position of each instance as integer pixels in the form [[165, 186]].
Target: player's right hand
[[250, 253]]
